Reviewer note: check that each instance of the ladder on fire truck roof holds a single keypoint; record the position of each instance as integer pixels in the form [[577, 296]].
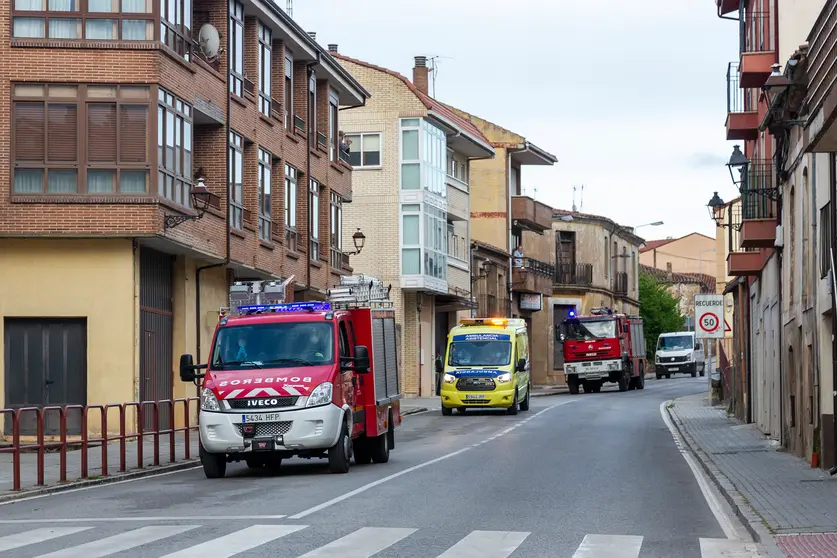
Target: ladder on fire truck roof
[[244, 294], [360, 291]]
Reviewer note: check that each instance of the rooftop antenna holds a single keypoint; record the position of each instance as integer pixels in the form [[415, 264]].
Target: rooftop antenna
[[582, 197], [290, 8], [434, 71], [575, 209]]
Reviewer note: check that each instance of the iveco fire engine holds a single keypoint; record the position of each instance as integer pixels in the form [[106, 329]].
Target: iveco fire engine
[[307, 379], [603, 347]]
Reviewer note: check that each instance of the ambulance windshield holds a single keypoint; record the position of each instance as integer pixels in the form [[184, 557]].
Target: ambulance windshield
[[587, 330], [273, 345], [479, 353]]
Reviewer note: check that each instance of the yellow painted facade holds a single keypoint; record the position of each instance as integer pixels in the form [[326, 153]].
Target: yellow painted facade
[[98, 281]]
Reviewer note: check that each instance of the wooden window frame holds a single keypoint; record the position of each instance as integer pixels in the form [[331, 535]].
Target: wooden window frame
[[336, 230], [265, 68], [83, 15], [236, 45], [289, 90], [178, 37], [181, 182], [291, 186], [265, 199], [314, 189], [312, 110], [236, 199], [83, 164], [333, 125]]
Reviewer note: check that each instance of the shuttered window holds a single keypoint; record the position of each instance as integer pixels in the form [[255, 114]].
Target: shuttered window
[[101, 20], [80, 139]]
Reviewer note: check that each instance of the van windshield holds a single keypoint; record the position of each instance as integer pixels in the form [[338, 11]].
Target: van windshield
[[273, 345], [479, 353], [675, 343], [588, 330]]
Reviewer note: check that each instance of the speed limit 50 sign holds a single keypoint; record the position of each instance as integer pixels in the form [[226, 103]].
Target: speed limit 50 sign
[[709, 316]]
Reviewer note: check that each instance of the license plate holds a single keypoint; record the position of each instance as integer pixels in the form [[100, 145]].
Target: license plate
[[475, 397], [261, 417], [674, 368]]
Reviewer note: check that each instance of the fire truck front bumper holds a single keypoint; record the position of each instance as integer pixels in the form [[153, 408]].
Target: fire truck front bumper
[[313, 428], [594, 369]]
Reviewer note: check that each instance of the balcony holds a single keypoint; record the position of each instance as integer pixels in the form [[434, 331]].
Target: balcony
[[727, 6], [821, 135], [573, 275], [531, 215], [744, 264], [620, 284], [742, 110], [758, 49], [533, 277], [758, 207]]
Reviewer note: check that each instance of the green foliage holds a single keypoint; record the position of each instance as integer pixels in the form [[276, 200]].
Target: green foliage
[[660, 311]]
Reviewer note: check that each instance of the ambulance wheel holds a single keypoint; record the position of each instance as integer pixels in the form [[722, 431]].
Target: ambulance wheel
[[447, 411], [340, 454], [379, 446], [214, 464], [524, 405], [512, 410], [360, 450]]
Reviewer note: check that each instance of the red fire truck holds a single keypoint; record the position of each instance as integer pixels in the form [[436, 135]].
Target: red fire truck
[[306, 379], [603, 347]]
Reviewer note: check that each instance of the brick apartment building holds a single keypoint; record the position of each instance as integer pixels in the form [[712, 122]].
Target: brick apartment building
[[107, 272]]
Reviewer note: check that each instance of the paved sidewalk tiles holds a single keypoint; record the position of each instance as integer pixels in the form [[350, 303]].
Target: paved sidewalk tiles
[[785, 496]]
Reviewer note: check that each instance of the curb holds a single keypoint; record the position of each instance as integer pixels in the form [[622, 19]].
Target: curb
[[413, 411], [118, 477], [752, 522]]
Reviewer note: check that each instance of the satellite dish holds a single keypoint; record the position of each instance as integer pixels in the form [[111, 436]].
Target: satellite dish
[[209, 41]]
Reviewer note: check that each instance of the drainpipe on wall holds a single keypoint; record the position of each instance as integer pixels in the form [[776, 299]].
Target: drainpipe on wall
[[815, 338], [832, 191]]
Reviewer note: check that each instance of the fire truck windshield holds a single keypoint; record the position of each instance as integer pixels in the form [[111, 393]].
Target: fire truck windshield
[[479, 353], [273, 345], [587, 330]]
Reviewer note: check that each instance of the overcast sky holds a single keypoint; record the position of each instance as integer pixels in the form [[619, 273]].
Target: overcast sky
[[630, 96]]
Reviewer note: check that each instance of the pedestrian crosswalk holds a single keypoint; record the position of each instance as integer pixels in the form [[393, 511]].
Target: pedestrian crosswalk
[[319, 541]]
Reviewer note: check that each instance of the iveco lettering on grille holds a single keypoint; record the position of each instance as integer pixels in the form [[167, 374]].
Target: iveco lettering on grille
[[263, 402]]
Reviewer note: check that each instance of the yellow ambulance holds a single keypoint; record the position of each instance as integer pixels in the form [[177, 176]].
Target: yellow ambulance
[[486, 365]]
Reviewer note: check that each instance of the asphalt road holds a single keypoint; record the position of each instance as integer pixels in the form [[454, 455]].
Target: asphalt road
[[568, 474]]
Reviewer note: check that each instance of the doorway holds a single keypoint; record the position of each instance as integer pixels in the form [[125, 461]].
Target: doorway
[[156, 313]]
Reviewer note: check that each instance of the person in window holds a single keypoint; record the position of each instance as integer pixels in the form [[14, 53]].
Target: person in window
[[344, 143], [315, 344], [518, 256]]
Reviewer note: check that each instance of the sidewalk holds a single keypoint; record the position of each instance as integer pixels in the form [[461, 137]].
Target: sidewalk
[[775, 494]]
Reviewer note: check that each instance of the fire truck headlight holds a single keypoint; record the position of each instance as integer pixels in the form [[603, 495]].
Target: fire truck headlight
[[208, 401], [449, 379], [504, 378], [321, 395]]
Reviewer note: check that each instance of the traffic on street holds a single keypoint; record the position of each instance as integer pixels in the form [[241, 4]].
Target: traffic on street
[[577, 476]]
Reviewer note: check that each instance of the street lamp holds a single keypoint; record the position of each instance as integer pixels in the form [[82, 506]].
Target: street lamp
[[740, 162], [200, 197], [358, 239], [716, 209], [654, 224]]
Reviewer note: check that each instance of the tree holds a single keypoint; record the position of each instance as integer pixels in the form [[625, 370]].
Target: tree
[[660, 311]]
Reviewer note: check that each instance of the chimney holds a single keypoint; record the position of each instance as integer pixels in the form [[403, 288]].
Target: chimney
[[669, 273], [332, 47], [313, 35], [420, 77]]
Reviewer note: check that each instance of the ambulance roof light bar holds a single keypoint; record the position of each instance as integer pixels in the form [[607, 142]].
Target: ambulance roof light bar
[[484, 321]]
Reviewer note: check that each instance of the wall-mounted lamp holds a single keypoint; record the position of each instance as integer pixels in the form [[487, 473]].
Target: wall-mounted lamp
[[739, 162], [358, 239], [200, 197]]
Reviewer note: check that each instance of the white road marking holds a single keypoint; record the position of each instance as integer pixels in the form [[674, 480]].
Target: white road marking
[[373, 484], [237, 542], [144, 518], [609, 546], [712, 501], [363, 543], [121, 542], [726, 548], [486, 544], [36, 536]]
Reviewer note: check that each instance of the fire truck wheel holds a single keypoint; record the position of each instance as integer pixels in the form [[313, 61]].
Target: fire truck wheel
[[360, 449], [640, 380], [380, 448], [573, 385], [524, 405], [214, 464], [512, 410], [254, 463], [623, 382], [339, 455]]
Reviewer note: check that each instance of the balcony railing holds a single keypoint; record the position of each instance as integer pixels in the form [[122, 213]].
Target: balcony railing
[[734, 219], [344, 156], [756, 32], [756, 203], [536, 266], [489, 305], [620, 283], [338, 259], [738, 99], [579, 274]]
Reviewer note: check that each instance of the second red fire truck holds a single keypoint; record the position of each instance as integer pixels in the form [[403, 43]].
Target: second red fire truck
[[307, 379], [603, 347]]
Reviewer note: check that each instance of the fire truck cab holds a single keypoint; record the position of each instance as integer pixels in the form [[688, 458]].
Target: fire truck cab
[[306, 379]]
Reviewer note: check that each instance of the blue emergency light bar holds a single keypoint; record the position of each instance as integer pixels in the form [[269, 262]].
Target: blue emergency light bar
[[287, 307], [572, 313]]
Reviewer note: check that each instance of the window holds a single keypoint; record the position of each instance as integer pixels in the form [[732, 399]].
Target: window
[[411, 239], [236, 181], [236, 50], [410, 155], [290, 208], [312, 110], [434, 154], [435, 242], [333, 126], [825, 240], [51, 154], [175, 24], [457, 167], [336, 224], [364, 150], [264, 195], [314, 205], [289, 90], [128, 20], [265, 52], [174, 148]]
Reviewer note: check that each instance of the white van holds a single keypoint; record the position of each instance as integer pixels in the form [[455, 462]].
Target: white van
[[680, 352]]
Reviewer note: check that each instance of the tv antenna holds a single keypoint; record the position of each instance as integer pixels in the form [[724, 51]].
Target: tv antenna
[[290, 8], [434, 71]]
